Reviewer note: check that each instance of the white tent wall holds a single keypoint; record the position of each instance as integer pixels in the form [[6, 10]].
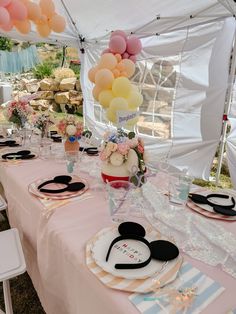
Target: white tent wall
[[198, 106]]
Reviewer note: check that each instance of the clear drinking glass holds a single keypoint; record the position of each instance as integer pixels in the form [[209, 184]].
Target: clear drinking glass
[[45, 148], [179, 187], [72, 158], [124, 201]]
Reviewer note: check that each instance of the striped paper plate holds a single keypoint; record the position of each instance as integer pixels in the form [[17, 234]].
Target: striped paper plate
[[149, 284]]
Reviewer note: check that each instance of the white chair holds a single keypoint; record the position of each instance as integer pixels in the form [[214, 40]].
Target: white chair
[[3, 206], [12, 263]]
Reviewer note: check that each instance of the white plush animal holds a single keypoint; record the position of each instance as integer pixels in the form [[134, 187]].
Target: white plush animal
[[119, 168]]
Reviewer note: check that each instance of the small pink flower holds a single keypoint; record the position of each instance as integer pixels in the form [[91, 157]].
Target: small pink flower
[[133, 142], [123, 148]]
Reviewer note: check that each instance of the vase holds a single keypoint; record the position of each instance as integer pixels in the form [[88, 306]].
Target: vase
[[71, 146]]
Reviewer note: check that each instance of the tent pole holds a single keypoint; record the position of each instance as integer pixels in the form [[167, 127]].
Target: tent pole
[[227, 109]]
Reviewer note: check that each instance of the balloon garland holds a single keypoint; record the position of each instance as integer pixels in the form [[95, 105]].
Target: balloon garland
[[113, 89], [21, 13]]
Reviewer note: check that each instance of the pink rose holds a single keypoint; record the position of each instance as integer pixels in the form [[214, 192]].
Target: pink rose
[[103, 155], [123, 148]]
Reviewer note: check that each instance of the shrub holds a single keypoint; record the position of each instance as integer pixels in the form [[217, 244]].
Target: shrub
[[43, 70], [5, 43]]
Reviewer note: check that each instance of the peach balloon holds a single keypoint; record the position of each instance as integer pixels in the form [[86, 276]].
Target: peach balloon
[[91, 74], [48, 7], [57, 23], [23, 27], [107, 61], [104, 78], [96, 91], [4, 3], [44, 30], [34, 10], [118, 57], [42, 20], [129, 67], [124, 73], [120, 66], [4, 16], [17, 10], [7, 27], [116, 73]]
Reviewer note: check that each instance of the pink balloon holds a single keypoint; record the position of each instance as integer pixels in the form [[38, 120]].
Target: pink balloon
[[125, 55], [4, 16], [117, 44], [120, 33], [7, 27], [106, 51], [17, 10], [134, 45], [133, 58], [4, 3]]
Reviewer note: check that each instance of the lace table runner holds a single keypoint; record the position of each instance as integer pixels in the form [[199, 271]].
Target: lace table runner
[[196, 236]]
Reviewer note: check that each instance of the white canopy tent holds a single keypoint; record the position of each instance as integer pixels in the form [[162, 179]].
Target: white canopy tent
[[186, 42]]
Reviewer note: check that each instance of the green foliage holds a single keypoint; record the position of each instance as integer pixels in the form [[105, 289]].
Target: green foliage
[[5, 44], [43, 70]]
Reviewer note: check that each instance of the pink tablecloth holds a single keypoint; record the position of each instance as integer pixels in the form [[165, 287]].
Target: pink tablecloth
[[55, 248]]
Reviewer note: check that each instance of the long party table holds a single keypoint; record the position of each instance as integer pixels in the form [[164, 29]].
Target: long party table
[[54, 246]]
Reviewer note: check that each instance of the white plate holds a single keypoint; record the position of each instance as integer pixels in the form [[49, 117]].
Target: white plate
[[127, 251]]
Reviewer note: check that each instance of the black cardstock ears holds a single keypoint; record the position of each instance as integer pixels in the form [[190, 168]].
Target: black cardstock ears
[[22, 154], [220, 209], [62, 179], [160, 249]]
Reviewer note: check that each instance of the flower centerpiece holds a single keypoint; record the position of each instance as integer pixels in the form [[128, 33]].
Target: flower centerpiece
[[18, 112], [42, 121], [122, 156], [71, 129]]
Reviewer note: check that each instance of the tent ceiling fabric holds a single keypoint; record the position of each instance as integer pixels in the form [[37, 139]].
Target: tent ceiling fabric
[[95, 19]]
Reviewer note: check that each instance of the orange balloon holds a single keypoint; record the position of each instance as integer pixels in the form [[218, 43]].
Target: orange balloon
[[96, 91], [57, 23], [48, 7], [24, 27], [34, 10], [91, 73], [44, 30], [104, 78]]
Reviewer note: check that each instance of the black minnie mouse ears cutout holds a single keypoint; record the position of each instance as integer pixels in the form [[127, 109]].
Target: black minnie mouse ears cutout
[[22, 154], [220, 209], [159, 250], [62, 179]]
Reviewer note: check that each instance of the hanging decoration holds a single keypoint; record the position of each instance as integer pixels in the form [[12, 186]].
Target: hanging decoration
[[113, 89], [20, 14]]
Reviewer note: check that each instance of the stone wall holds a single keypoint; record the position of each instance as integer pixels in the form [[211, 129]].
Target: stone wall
[[65, 96]]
